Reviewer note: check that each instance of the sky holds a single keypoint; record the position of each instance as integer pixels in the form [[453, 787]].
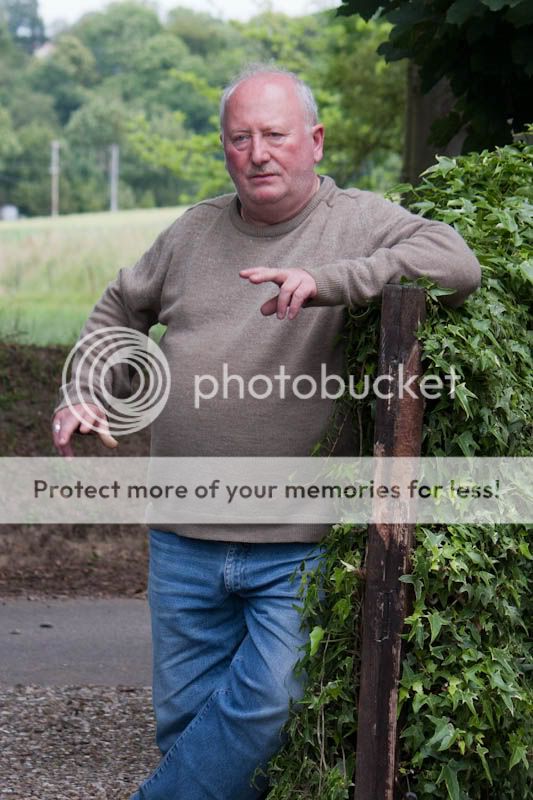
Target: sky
[[70, 10]]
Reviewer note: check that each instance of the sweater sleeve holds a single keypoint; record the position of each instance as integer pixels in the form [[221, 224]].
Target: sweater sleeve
[[133, 301], [397, 244]]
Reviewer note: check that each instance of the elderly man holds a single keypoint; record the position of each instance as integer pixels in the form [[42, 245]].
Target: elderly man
[[226, 633]]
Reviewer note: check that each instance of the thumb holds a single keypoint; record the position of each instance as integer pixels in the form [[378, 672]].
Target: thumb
[[270, 307], [104, 435], [107, 439]]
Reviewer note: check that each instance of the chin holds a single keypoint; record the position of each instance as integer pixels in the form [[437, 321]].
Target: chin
[[265, 196]]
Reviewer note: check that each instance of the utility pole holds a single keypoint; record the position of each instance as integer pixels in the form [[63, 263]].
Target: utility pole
[[113, 178], [54, 173]]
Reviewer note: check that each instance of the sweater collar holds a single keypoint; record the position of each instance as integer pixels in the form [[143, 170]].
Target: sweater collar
[[280, 228]]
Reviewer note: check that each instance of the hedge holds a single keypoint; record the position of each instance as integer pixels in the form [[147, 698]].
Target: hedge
[[465, 693]]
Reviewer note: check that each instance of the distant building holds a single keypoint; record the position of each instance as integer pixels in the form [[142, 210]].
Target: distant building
[[9, 213], [45, 50]]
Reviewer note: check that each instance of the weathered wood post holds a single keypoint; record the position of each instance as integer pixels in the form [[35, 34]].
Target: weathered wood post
[[398, 432]]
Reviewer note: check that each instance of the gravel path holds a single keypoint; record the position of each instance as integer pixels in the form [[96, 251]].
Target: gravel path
[[75, 743]]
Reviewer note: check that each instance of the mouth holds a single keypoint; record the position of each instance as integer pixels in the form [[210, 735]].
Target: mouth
[[262, 176]]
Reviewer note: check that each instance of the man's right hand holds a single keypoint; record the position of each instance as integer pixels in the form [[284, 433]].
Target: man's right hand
[[88, 418]]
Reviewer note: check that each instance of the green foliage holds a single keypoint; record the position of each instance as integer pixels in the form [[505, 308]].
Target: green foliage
[[195, 158], [483, 47], [32, 184], [362, 100], [9, 146], [466, 702], [66, 75], [361, 147], [23, 22], [116, 35], [121, 76]]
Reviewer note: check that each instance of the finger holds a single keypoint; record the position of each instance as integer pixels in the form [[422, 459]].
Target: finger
[[270, 307], [299, 296], [66, 451], [285, 296], [107, 440], [98, 423], [90, 417], [105, 437], [62, 443], [62, 429], [89, 425], [263, 274], [83, 418], [245, 273]]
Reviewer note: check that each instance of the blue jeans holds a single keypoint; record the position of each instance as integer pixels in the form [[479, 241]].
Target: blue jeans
[[226, 634]]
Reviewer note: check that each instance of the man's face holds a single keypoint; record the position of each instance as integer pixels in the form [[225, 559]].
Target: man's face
[[270, 148]]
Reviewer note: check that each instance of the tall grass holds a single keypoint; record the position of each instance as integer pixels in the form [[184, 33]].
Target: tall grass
[[52, 271]]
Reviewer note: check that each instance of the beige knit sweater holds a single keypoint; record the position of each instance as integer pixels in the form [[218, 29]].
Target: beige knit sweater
[[352, 243]]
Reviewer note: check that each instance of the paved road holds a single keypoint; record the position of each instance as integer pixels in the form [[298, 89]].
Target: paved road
[[73, 642]]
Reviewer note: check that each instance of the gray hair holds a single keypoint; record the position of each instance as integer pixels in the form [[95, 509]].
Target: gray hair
[[304, 91]]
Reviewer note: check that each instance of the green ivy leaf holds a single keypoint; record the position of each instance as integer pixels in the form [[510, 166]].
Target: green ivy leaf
[[467, 443], [463, 395], [518, 754], [526, 268], [449, 776], [436, 621], [315, 637], [465, 700]]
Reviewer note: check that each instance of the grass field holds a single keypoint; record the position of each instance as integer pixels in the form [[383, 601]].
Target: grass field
[[52, 271]]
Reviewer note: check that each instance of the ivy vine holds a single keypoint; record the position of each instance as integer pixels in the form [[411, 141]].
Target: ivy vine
[[465, 692]]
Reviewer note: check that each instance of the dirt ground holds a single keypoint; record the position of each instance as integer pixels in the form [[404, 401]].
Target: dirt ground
[[60, 560], [74, 742]]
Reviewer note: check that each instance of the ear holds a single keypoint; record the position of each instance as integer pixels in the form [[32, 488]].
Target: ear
[[318, 142]]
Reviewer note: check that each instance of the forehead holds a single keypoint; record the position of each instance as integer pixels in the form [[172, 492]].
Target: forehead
[[262, 101]]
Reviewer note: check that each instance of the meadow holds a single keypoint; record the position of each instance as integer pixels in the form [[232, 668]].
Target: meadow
[[52, 270]]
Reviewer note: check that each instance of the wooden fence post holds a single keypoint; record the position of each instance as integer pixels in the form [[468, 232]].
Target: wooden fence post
[[398, 432]]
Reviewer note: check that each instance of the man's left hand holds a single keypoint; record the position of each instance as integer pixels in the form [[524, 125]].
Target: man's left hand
[[296, 287]]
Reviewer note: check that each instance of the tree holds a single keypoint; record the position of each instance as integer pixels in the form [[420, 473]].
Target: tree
[[27, 175], [115, 35], [23, 22], [155, 80], [13, 63], [66, 74], [195, 159], [361, 100], [202, 33], [220, 47], [482, 48], [121, 76], [9, 145], [295, 43]]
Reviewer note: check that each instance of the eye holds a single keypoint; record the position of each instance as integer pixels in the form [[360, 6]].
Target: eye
[[276, 135], [240, 138]]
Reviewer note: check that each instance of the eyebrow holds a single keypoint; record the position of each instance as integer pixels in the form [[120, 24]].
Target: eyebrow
[[272, 127]]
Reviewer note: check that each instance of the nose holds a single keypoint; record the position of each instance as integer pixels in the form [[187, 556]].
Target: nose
[[259, 154]]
